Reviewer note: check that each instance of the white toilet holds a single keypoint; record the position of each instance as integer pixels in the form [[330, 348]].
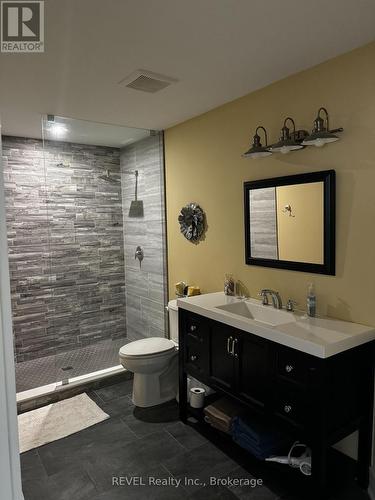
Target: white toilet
[[154, 362]]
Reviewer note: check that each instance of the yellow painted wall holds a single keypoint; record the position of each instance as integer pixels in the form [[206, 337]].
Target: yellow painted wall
[[204, 164], [300, 235]]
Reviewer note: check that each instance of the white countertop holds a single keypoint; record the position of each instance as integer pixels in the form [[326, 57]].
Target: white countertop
[[321, 336]]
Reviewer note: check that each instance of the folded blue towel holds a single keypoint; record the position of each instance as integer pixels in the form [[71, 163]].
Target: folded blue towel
[[257, 431], [257, 438]]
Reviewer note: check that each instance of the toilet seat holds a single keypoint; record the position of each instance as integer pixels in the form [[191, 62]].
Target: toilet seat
[[147, 347]]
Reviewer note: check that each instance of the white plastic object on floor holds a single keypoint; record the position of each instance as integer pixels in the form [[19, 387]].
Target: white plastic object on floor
[[303, 462]]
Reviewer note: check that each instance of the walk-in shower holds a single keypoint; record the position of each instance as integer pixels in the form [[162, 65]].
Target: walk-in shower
[[78, 292]]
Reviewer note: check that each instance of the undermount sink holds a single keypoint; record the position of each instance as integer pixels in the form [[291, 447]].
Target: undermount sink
[[259, 312]]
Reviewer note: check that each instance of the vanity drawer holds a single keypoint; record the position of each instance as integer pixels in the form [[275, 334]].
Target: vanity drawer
[[290, 406], [292, 366], [196, 357], [195, 328]]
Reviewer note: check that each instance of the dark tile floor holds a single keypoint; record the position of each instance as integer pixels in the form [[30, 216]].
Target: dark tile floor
[[151, 446]]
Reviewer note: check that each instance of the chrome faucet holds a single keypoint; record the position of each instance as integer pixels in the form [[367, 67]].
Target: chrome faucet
[[139, 254], [275, 296]]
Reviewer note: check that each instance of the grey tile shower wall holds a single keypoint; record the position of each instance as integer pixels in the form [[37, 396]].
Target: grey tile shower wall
[[65, 237], [264, 242], [145, 284]]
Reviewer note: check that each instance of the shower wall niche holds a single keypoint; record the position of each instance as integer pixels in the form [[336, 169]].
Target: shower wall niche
[[65, 237]]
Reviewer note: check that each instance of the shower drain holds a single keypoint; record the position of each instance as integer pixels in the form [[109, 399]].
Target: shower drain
[[67, 368]]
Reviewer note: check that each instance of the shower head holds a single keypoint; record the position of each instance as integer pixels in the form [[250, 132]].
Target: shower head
[[136, 206], [108, 178]]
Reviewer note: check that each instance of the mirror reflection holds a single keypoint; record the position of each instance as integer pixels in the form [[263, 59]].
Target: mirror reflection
[[290, 222], [287, 222]]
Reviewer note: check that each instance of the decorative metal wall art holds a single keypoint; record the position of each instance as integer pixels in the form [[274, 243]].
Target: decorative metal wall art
[[192, 222]]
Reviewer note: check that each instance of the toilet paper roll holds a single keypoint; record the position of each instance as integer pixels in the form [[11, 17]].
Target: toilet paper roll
[[197, 395]]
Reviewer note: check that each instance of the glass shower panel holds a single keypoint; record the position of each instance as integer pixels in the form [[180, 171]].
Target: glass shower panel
[[101, 300], [26, 199], [86, 246]]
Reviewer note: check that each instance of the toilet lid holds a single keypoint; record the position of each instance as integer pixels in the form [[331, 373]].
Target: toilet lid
[[144, 347]]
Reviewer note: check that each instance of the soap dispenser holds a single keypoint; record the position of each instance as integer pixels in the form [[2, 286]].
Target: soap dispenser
[[311, 301]]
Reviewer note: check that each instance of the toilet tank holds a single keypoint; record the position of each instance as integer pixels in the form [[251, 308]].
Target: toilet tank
[[173, 320]]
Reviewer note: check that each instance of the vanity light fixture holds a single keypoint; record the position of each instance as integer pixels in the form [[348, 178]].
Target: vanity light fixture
[[289, 141], [257, 150], [321, 133]]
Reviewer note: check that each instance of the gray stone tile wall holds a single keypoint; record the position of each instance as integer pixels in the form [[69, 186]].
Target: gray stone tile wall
[[145, 285], [263, 232], [65, 237]]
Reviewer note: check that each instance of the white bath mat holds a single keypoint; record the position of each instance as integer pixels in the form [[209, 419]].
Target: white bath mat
[[58, 420]]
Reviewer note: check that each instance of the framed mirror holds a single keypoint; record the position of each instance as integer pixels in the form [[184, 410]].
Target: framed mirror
[[290, 222]]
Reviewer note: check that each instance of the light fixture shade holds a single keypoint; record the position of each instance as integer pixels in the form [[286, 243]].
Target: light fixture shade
[[284, 146], [318, 139], [254, 153], [257, 150], [321, 133], [287, 140]]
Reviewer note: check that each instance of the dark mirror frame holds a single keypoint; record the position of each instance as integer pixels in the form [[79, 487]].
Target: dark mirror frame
[[328, 177]]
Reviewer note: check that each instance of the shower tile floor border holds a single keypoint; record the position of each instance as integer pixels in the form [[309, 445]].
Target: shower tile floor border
[[48, 370]]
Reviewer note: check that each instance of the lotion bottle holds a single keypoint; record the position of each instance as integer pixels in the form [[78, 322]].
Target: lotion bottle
[[311, 301]]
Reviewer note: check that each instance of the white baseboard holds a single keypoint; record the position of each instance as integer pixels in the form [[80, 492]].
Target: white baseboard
[[371, 487]]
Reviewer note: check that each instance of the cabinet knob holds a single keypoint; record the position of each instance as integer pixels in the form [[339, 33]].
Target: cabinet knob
[[193, 328], [289, 368], [287, 408], [193, 358]]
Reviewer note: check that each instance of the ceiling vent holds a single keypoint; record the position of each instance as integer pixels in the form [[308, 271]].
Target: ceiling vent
[[147, 81]]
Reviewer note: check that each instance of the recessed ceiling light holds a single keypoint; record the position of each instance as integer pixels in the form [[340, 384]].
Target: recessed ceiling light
[[57, 129]]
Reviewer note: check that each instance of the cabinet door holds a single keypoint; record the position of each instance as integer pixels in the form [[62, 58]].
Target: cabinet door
[[253, 368], [221, 361]]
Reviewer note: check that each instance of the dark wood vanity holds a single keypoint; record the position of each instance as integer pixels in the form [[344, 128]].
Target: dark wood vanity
[[316, 400]]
